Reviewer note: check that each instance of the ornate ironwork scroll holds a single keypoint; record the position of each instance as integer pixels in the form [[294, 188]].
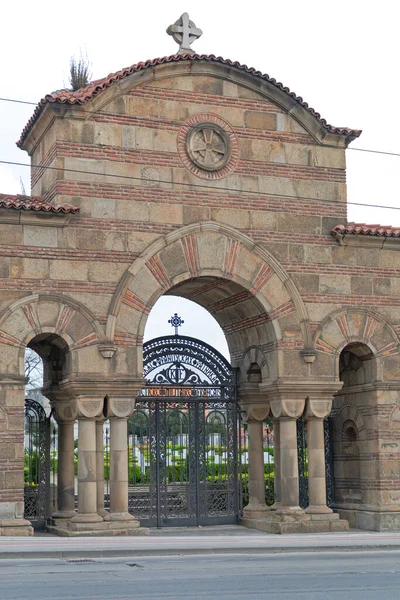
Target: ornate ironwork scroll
[[36, 464], [302, 454], [329, 461], [182, 360], [188, 450]]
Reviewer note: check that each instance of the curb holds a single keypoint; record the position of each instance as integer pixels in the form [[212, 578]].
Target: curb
[[125, 553]]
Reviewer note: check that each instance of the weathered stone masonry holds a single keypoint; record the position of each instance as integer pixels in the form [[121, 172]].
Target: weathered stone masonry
[[121, 214]]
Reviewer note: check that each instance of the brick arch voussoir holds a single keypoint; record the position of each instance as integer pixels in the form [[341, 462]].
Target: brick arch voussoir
[[189, 247], [21, 321], [350, 325]]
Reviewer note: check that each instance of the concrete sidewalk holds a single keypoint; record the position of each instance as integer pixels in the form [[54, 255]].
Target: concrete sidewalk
[[207, 540]]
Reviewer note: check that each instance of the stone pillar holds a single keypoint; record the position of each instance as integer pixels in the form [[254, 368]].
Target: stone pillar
[[316, 411], [256, 479], [257, 409], [288, 406], [88, 409], [277, 464], [65, 471], [289, 465], [118, 410], [100, 466], [12, 399]]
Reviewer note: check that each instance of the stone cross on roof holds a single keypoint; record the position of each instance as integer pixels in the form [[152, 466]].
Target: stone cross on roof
[[184, 32]]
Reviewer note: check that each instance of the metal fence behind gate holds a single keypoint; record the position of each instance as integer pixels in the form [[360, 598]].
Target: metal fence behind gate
[[303, 461]]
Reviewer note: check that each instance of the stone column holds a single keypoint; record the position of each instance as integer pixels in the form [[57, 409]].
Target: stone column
[[256, 479], [64, 410], [100, 466], [289, 465], [277, 464], [118, 410], [65, 471], [88, 409], [257, 409], [316, 411], [287, 406]]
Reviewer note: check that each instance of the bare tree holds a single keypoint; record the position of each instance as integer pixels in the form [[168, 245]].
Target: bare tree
[[33, 369], [79, 72]]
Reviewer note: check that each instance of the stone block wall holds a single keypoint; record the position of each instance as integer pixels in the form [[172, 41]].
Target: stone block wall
[[253, 246]]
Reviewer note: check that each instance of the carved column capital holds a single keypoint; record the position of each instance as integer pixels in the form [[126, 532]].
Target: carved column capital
[[64, 411], [120, 406], [287, 399], [253, 402], [319, 399], [89, 407], [256, 412], [318, 408], [291, 408]]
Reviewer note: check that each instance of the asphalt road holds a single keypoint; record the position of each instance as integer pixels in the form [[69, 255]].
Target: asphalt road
[[312, 576]]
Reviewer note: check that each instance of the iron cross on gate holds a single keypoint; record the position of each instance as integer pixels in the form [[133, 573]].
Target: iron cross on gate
[[184, 32], [176, 322]]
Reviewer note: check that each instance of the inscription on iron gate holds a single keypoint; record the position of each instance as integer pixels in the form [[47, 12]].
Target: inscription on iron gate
[[183, 437]]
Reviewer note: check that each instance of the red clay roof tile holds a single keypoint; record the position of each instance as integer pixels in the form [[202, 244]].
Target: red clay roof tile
[[364, 229], [95, 87], [35, 203]]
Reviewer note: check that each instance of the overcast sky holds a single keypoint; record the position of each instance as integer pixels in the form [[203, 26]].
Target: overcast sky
[[341, 57]]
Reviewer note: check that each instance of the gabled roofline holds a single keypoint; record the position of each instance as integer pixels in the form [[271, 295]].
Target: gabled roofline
[[85, 94]]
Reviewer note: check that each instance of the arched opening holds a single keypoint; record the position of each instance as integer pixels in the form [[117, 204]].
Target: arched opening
[[193, 414], [53, 351], [45, 365], [357, 367], [183, 435]]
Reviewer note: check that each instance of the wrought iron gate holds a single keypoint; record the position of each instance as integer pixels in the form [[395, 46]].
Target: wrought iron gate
[[183, 437], [36, 464], [303, 461]]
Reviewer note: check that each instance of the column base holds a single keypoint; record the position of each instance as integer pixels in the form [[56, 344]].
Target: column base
[[86, 518], [64, 514], [290, 510], [121, 516], [99, 529], [15, 527], [319, 510], [297, 523], [254, 511]]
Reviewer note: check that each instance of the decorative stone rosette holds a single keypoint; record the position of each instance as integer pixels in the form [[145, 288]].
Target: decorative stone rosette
[[207, 146]]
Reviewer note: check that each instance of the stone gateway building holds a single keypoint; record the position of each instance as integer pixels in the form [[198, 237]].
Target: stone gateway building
[[200, 177]]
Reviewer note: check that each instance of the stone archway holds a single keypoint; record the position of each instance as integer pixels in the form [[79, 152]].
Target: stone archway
[[65, 334], [242, 285], [363, 350]]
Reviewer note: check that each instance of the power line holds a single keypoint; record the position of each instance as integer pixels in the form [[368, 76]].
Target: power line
[[98, 112], [199, 185]]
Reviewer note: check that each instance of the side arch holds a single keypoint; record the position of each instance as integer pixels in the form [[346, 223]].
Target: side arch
[[345, 326], [44, 314]]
